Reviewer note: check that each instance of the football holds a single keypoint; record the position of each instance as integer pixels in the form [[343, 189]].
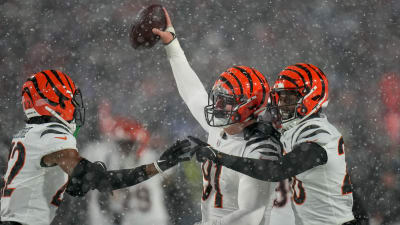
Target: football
[[141, 35]]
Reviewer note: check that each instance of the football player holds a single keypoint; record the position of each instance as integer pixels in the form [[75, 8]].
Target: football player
[[227, 113], [125, 144], [315, 154], [44, 154]]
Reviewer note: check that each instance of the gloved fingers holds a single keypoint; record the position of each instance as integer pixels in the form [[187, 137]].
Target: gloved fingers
[[197, 141], [182, 144], [200, 157]]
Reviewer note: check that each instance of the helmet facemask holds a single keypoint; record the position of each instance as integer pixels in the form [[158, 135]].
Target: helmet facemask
[[284, 105], [222, 108]]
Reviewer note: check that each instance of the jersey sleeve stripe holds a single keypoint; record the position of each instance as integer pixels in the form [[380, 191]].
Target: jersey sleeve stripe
[[51, 131], [256, 140], [270, 154], [59, 126], [304, 129], [266, 146], [313, 134]]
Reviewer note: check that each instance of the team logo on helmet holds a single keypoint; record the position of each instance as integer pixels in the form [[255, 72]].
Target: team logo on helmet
[[300, 91], [239, 94]]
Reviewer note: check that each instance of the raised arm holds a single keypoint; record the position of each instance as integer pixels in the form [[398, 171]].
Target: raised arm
[[189, 85]]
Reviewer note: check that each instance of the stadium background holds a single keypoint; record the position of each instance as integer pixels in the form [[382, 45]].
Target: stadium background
[[356, 43]]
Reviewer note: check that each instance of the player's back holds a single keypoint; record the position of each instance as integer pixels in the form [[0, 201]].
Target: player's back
[[32, 191], [321, 195]]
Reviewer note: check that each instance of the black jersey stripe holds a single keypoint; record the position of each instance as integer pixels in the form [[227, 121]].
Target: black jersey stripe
[[51, 131], [265, 146], [238, 81], [307, 71], [270, 154], [320, 131], [247, 76], [35, 84], [226, 81], [256, 140], [305, 127], [59, 126], [263, 87]]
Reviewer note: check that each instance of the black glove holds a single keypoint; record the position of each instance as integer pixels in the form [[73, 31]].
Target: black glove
[[263, 128], [178, 152], [204, 151]]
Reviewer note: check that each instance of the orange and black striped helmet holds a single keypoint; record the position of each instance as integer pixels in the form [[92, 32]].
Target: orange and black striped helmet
[[53, 93], [240, 94], [310, 86]]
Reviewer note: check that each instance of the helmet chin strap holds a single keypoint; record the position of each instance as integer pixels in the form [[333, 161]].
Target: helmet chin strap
[[71, 126]]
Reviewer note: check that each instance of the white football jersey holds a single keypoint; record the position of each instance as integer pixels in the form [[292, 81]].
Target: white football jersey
[[321, 195], [33, 191], [142, 204], [228, 197], [282, 212]]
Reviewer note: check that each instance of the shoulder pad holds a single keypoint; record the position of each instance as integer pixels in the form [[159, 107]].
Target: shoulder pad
[[261, 128]]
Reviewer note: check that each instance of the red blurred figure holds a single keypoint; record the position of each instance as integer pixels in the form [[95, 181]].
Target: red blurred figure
[[390, 93]]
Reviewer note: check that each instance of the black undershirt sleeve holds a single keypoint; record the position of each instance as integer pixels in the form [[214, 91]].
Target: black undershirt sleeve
[[87, 176], [304, 156]]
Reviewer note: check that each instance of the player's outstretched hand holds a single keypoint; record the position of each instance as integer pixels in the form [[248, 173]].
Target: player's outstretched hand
[[168, 35], [203, 150], [178, 152]]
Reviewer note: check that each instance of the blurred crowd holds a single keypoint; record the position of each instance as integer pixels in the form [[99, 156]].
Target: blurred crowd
[[356, 43]]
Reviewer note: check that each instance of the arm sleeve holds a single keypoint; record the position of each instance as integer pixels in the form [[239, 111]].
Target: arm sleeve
[[87, 176], [304, 156], [189, 85]]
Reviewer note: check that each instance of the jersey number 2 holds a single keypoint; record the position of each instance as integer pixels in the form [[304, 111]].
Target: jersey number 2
[[206, 170], [19, 163]]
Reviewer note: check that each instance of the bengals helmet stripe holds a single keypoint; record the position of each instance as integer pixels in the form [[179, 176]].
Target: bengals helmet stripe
[[61, 80], [66, 78], [250, 81], [226, 81], [61, 96], [262, 82], [28, 92], [35, 84], [319, 97], [304, 69], [237, 80], [248, 93], [53, 93], [291, 80], [311, 86], [58, 77], [298, 73]]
